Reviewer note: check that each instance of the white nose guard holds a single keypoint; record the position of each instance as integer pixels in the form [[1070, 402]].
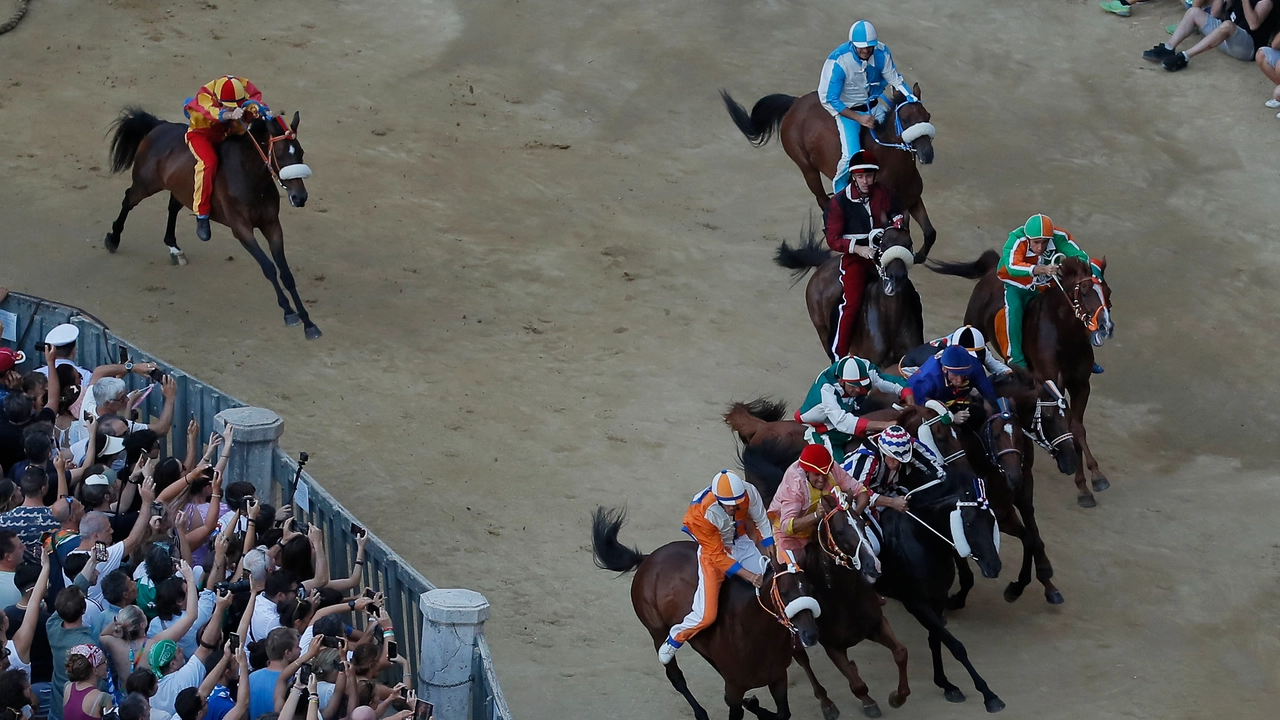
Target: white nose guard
[[917, 131], [800, 604], [296, 171]]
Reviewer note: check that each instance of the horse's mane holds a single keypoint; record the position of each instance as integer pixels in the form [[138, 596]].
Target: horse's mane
[[1017, 381], [1074, 269]]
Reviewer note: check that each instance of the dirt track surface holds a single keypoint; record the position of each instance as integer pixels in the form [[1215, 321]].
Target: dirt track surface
[[540, 255]]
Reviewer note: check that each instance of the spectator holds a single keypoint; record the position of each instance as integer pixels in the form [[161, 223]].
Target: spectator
[[31, 519], [95, 528], [67, 427], [62, 342], [19, 412], [280, 587], [29, 640], [189, 705], [239, 496], [86, 667], [66, 630], [156, 567], [331, 682], [10, 495], [176, 671], [1237, 27], [1268, 58], [11, 552], [118, 591], [220, 705], [282, 652], [10, 379], [174, 597], [16, 698], [124, 640], [137, 706], [112, 398]]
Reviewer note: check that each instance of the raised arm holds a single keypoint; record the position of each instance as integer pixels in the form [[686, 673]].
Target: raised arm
[[357, 574], [139, 531], [241, 709], [54, 386], [321, 559], [214, 676], [178, 630], [60, 465], [292, 668], [198, 536], [31, 616], [212, 634], [161, 425]]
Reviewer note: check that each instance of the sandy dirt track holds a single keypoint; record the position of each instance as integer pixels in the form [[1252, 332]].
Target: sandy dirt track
[[540, 254]]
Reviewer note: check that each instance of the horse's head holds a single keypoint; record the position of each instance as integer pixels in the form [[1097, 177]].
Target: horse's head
[[912, 124], [792, 595], [284, 154], [974, 530], [1002, 437], [1051, 426], [840, 535], [894, 259], [1090, 297]]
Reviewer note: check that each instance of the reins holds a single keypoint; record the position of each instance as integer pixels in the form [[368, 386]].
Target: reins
[[775, 594], [268, 156]]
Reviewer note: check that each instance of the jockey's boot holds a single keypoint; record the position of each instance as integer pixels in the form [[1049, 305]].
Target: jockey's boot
[[1097, 369], [667, 651], [202, 228]]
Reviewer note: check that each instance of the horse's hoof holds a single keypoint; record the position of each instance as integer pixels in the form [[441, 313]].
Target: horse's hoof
[[1013, 591], [178, 258], [872, 710], [953, 695], [920, 258], [1053, 597], [292, 319], [830, 712], [112, 241], [751, 703], [1101, 483], [1086, 501], [896, 700], [955, 602], [994, 704], [312, 332]]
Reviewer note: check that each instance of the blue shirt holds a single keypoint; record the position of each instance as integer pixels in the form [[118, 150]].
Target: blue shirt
[[262, 691], [220, 703], [847, 81], [930, 383]]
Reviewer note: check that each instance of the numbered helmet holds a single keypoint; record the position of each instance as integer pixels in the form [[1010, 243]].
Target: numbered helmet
[[895, 442], [970, 338], [1038, 227], [956, 359], [729, 489], [856, 371], [862, 35], [230, 91], [863, 162], [816, 458]]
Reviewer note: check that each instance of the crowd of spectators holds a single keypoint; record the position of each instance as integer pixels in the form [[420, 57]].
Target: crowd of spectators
[[137, 587], [1243, 29]]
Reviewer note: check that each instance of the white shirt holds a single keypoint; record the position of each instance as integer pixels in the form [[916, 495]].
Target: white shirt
[[190, 675], [190, 641], [85, 375], [15, 662], [115, 556], [265, 618], [225, 519]]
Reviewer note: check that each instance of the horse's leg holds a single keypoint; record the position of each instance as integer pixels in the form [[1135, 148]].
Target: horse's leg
[[938, 636], [921, 216], [738, 706], [275, 240], [134, 195], [1079, 396], [778, 689], [840, 658], [1011, 524], [965, 573], [1044, 569], [676, 676], [829, 709], [244, 233], [176, 255], [1079, 401], [884, 635]]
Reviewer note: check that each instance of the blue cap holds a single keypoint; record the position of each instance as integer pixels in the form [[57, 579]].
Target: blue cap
[[956, 359]]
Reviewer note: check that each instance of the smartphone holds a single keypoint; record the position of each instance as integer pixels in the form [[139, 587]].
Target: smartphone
[[333, 642], [234, 638], [423, 710], [156, 375], [300, 526], [357, 531], [100, 551], [157, 509], [304, 673], [391, 649]]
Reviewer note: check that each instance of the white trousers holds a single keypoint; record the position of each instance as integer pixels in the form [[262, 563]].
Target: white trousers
[[707, 596]]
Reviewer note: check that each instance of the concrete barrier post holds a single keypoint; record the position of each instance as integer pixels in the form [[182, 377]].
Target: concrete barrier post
[[452, 619], [252, 459]]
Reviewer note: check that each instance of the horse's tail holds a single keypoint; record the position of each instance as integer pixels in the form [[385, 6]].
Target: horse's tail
[[764, 464], [764, 119], [970, 270], [130, 128], [806, 256], [609, 553], [747, 418]]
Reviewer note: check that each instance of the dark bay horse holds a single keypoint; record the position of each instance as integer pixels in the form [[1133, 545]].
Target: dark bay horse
[[750, 642], [891, 320], [810, 138], [1060, 328], [244, 189]]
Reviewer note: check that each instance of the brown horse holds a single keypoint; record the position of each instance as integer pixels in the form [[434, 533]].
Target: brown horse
[[244, 193], [1060, 328], [749, 643], [810, 138], [891, 320]]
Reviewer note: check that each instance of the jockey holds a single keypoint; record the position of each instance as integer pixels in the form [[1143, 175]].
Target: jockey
[[880, 468], [1025, 268], [949, 379], [213, 114], [795, 507], [854, 221], [968, 337], [728, 519], [838, 397], [854, 79]]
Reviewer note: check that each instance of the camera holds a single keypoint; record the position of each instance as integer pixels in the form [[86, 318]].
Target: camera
[[300, 526], [232, 587]]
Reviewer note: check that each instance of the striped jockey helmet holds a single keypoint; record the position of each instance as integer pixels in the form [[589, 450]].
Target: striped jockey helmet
[[1038, 227], [729, 488], [968, 337], [856, 371], [862, 34], [895, 442], [230, 91], [863, 162], [816, 458]]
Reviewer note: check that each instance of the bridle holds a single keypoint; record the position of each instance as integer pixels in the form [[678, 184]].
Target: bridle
[[980, 490], [268, 156], [905, 145], [1006, 416], [1037, 421], [1075, 296], [775, 594], [827, 539]]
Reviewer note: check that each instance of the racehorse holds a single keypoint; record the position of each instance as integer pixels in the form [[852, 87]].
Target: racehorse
[[810, 138], [244, 195], [1060, 328], [891, 320], [749, 643]]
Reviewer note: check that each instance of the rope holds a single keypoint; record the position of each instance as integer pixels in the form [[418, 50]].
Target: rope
[[19, 10]]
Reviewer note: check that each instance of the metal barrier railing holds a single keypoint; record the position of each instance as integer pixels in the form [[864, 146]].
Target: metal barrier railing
[[384, 569]]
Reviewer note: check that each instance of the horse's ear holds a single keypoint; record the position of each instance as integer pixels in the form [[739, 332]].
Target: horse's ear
[[294, 125], [915, 90], [1102, 263]]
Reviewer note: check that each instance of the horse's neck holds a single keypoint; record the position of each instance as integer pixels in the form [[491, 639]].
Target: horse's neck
[[241, 151], [1055, 308]]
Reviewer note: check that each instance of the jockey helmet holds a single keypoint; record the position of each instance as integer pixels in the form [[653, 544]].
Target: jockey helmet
[[230, 91], [729, 488], [856, 371], [863, 162], [956, 359], [970, 338], [895, 442], [1038, 227], [862, 34], [816, 458]]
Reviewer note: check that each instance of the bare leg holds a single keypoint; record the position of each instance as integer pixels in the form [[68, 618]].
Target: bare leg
[[1270, 71], [1220, 35], [1192, 19], [176, 255], [829, 709], [921, 216], [275, 240], [840, 658], [884, 635], [250, 243]]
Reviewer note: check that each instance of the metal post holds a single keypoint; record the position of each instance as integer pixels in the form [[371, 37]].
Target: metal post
[[257, 431], [453, 618]]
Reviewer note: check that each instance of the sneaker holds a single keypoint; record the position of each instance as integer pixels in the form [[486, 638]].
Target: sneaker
[[1273, 103], [1115, 7], [667, 651], [202, 228], [1097, 369], [1157, 53], [1174, 63]]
